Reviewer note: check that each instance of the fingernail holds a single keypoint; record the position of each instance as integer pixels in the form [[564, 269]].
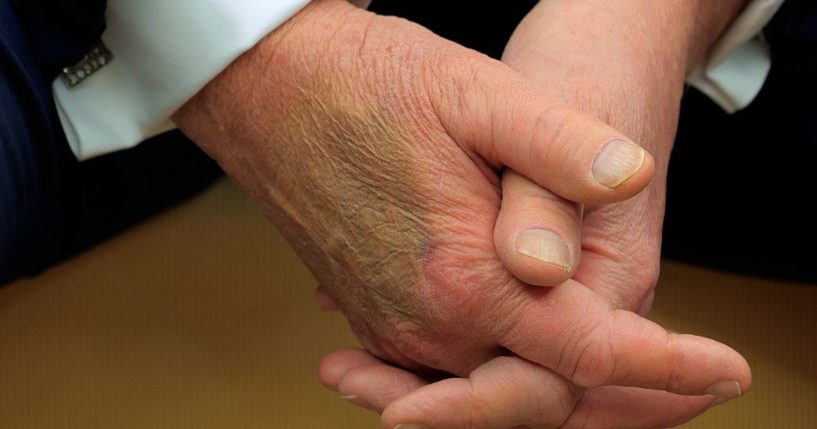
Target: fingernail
[[412, 426], [544, 245], [618, 161], [729, 389], [354, 400]]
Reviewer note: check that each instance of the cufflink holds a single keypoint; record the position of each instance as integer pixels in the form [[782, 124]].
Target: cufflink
[[98, 57]]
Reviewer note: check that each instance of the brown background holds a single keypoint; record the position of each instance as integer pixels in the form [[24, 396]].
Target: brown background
[[203, 318]]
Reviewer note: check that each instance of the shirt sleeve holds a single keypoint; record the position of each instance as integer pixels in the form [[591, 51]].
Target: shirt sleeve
[[737, 65], [162, 53]]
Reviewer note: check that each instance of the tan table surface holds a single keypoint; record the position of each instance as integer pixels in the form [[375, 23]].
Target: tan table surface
[[203, 318]]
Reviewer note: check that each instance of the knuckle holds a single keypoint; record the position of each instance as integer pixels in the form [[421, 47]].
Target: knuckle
[[551, 136], [408, 341], [512, 391], [554, 409], [591, 360], [646, 271], [674, 378], [643, 274]]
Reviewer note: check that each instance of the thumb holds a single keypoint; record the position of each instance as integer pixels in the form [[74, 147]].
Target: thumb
[[510, 123], [537, 234]]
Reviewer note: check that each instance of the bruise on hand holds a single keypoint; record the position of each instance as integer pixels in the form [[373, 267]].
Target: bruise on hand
[[357, 176], [340, 178]]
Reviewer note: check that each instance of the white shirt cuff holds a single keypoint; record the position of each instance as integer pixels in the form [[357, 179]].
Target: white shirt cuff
[[737, 65], [164, 52]]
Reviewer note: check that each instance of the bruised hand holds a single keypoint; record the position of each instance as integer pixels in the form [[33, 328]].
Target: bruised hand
[[376, 147]]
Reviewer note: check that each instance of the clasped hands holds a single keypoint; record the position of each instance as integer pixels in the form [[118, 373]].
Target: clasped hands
[[439, 199]]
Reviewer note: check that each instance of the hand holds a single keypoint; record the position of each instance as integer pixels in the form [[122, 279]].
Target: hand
[[637, 88], [506, 392], [374, 145]]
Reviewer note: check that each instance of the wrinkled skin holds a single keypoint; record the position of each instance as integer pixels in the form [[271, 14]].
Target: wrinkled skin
[[620, 242], [375, 147]]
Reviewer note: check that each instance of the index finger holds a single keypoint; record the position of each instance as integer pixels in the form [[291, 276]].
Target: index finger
[[574, 332]]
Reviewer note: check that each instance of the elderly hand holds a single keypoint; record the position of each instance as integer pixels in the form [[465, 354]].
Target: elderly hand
[[593, 57], [375, 146]]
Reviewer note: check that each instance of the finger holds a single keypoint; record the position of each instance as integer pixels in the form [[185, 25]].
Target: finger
[[510, 123], [621, 246], [629, 407], [537, 234], [592, 344], [335, 365], [325, 301], [366, 381], [605, 407], [505, 392], [624, 278]]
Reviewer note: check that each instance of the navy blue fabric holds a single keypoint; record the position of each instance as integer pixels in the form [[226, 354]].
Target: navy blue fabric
[[28, 171], [59, 32], [742, 186], [475, 25], [52, 206]]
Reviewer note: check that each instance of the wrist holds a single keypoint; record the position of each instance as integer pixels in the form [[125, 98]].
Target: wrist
[[277, 65], [624, 61], [607, 60], [712, 18]]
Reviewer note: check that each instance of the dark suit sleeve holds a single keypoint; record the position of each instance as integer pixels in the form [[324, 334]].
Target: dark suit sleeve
[[52, 206]]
